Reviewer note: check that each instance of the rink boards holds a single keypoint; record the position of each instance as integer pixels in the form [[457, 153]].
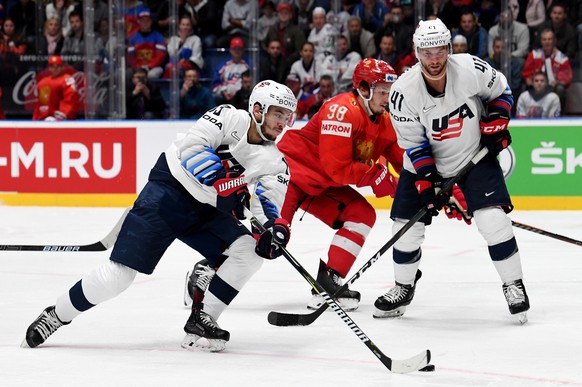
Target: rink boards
[[105, 163]]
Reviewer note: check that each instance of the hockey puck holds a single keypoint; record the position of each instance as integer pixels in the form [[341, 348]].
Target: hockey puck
[[428, 368]]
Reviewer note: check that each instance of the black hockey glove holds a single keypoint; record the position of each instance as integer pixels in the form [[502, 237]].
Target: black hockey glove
[[232, 195], [275, 236], [428, 188], [494, 133]]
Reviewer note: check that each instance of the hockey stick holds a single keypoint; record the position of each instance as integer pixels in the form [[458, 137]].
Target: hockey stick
[[415, 363], [288, 319], [546, 233], [103, 245]]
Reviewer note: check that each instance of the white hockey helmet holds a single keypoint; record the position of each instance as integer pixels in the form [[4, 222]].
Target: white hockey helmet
[[267, 94], [431, 33]]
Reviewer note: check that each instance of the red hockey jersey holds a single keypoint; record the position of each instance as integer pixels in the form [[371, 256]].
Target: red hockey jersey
[[338, 145], [57, 95]]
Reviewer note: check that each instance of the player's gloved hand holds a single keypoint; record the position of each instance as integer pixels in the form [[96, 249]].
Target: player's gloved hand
[[233, 194], [494, 133], [60, 116], [269, 242], [456, 208], [431, 198], [378, 177]]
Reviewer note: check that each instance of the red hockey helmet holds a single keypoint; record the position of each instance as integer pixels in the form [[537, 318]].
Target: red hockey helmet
[[373, 71]]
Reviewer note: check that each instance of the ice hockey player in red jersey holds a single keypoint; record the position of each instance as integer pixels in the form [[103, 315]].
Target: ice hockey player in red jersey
[[58, 97], [341, 145]]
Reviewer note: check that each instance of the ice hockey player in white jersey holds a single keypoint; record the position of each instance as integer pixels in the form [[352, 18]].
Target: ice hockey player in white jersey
[[444, 110], [196, 193]]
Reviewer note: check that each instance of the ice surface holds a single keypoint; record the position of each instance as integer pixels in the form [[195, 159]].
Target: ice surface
[[458, 312]]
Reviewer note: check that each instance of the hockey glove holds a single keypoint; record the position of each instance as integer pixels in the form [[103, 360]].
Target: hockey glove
[[381, 180], [232, 195], [428, 188], [269, 242], [494, 133], [456, 208]]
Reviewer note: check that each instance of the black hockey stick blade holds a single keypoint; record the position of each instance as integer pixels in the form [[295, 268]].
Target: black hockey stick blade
[[546, 233], [104, 244], [282, 319], [415, 363]]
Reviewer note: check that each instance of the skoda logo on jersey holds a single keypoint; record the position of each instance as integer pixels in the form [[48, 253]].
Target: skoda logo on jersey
[[507, 161], [450, 126]]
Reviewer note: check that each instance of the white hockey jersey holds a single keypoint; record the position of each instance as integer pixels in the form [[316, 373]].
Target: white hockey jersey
[[222, 132], [450, 122]]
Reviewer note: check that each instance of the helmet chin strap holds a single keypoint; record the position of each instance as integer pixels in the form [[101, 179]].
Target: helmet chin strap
[[259, 126], [367, 102], [432, 77]]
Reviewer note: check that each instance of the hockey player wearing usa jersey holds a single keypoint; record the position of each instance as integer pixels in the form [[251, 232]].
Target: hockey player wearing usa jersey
[[444, 109], [341, 145], [196, 193]]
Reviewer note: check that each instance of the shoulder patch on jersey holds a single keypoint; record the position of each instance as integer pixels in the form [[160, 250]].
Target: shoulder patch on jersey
[[336, 128]]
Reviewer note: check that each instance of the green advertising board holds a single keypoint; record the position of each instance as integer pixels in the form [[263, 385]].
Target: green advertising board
[[543, 165]]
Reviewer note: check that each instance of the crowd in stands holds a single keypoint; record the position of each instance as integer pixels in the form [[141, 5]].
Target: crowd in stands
[[301, 41]]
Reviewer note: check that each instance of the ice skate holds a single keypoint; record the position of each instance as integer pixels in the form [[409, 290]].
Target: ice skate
[[517, 299], [331, 282], [203, 332], [45, 325], [200, 277], [393, 303]]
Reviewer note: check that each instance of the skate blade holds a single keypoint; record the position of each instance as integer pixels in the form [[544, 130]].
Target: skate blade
[[521, 317], [24, 344], [191, 342], [187, 298], [394, 313], [347, 304]]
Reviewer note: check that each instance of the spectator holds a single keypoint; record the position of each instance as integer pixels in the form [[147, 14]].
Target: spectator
[[290, 35], [388, 52], [11, 45], [565, 34], [341, 68], [145, 101], [23, 13], [518, 31], [147, 49], [273, 66], [488, 13], [266, 21], [553, 62], [460, 45], [515, 66], [241, 97], [133, 10], [293, 82], [394, 25], [228, 78], [302, 12], [535, 16], [540, 101], [322, 34], [475, 34], [58, 97], [312, 104], [60, 9], [372, 13], [576, 20], [359, 39], [305, 68], [195, 99], [160, 10], [185, 49], [51, 43], [74, 44], [100, 12], [206, 19], [236, 20]]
